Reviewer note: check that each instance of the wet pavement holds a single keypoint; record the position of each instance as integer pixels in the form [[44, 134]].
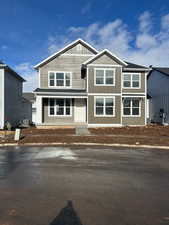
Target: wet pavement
[[83, 186]]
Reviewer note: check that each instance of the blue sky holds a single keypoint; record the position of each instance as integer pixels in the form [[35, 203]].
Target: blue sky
[[32, 30]]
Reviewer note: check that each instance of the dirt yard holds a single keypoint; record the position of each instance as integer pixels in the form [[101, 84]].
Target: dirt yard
[[148, 135]]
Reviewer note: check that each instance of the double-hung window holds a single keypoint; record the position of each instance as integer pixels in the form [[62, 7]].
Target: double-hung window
[[105, 77], [59, 79], [131, 107], [104, 106], [59, 107], [131, 80]]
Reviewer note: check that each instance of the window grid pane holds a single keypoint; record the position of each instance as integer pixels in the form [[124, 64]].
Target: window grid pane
[[60, 107], [104, 106], [60, 79], [131, 107]]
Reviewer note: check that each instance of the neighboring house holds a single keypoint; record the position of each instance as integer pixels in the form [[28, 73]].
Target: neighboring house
[[31, 98], [11, 100], [79, 85], [158, 88]]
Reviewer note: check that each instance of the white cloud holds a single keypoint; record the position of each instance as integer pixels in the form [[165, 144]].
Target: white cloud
[[145, 45], [30, 75], [165, 22], [145, 21]]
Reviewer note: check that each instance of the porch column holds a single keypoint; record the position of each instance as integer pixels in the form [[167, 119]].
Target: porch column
[[38, 109]]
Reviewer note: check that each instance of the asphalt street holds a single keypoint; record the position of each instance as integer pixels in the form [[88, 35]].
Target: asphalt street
[[83, 186]]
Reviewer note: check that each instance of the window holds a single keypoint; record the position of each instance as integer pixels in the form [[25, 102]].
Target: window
[[131, 80], [104, 77], [131, 107], [59, 107], [104, 106], [59, 79]]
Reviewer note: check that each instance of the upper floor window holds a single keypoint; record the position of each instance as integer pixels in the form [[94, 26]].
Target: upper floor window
[[131, 80], [105, 77], [59, 79], [104, 106]]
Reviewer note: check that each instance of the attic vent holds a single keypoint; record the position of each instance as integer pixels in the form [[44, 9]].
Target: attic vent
[[79, 47]]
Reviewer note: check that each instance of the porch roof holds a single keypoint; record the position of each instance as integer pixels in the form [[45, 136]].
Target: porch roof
[[62, 92]]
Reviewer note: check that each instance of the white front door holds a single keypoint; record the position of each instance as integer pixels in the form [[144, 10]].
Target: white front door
[[80, 110]]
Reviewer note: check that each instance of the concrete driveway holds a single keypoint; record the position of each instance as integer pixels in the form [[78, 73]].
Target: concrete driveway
[[83, 186]]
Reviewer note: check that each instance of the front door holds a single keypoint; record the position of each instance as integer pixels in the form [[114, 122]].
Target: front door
[[80, 110]]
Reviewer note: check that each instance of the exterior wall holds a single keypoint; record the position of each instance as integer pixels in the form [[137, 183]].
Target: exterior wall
[[104, 89], [104, 59], [26, 110], [137, 90], [157, 86], [55, 119], [1, 98], [104, 120], [34, 112], [13, 99], [136, 121], [65, 63], [83, 50]]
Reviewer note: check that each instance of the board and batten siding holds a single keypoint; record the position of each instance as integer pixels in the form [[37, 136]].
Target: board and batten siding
[[67, 64], [92, 119], [1, 98], [80, 50]]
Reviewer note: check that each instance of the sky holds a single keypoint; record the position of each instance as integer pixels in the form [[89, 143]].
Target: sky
[[31, 30]]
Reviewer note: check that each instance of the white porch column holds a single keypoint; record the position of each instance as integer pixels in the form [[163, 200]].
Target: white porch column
[[38, 109]]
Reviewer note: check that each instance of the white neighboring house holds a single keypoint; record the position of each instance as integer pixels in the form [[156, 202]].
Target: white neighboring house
[[158, 89], [29, 96], [11, 100]]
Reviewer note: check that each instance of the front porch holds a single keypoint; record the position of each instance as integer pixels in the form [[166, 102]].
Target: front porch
[[61, 111]]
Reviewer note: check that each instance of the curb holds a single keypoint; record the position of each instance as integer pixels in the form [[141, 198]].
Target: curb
[[85, 144]]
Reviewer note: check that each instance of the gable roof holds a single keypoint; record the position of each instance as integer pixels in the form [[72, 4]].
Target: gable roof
[[64, 50], [105, 51], [15, 74], [135, 66]]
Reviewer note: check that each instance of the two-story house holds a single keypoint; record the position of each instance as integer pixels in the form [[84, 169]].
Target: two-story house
[[12, 104], [79, 85]]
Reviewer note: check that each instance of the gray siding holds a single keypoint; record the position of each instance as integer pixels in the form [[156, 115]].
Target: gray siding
[[1, 98], [75, 50], [138, 121], [13, 99], [104, 59], [64, 63], [158, 88], [104, 120], [137, 90], [55, 119], [104, 89]]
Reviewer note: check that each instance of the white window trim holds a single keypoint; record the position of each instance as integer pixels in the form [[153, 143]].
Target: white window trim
[[55, 108], [131, 108], [131, 87], [104, 69], [104, 115], [55, 79]]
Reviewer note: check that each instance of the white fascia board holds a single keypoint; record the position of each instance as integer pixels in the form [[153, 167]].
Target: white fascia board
[[67, 46], [135, 69], [102, 52]]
